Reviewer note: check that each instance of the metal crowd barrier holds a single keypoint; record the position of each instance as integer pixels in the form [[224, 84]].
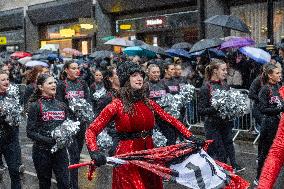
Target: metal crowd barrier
[[245, 123]]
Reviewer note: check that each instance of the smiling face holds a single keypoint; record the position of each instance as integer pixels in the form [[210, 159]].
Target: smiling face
[[154, 74], [48, 88], [4, 82], [98, 76], [136, 80], [73, 71], [221, 72]]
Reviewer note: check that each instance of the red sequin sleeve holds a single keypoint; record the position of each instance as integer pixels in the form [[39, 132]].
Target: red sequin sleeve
[[99, 124], [170, 119], [274, 160]]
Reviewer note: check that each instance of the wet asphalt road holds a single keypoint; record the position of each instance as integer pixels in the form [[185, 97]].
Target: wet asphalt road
[[246, 154]]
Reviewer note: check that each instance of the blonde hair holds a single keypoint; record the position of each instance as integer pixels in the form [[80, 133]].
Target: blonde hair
[[214, 64]]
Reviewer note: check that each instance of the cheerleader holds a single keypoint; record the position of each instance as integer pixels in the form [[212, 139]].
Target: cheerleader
[[44, 115], [9, 139], [73, 87], [216, 128], [270, 105]]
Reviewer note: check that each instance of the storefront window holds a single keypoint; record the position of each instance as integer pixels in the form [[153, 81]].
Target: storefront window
[[255, 16], [76, 35]]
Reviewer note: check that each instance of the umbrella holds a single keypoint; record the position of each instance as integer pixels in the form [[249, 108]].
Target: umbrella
[[108, 38], [133, 51], [237, 42], [54, 57], [256, 54], [71, 51], [36, 63], [155, 49], [101, 54], [206, 44], [137, 42], [213, 53], [40, 56], [182, 45], [178, 53], [24, 60], [228, 21], [20, 54], [119, 42]]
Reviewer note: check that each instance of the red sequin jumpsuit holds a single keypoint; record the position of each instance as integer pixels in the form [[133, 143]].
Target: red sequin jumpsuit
[[274, 160], [130, 176]]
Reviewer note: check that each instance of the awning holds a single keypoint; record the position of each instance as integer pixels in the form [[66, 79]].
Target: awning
[[59, 10], [118, 6], [11, 19]]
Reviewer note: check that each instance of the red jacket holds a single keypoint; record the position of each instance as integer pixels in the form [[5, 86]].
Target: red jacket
[[130, 176], [274, 160]]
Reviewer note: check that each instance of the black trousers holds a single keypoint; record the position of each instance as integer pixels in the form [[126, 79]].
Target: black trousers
[[268, 132], [12, 153], [45, 162], [80, 137], [220, 131]]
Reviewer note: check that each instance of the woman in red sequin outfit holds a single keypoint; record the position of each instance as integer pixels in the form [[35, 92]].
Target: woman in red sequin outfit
[[134, 117]]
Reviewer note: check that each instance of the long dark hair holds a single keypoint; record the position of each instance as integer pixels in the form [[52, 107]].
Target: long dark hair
[[37, 92], [63, 74], [267, 70], [214, 64], [129, 96]]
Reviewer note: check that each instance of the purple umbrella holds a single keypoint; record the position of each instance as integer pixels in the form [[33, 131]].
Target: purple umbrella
[[237, 42]]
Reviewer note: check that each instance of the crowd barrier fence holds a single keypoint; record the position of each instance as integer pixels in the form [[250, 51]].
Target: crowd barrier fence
[[245, 123]]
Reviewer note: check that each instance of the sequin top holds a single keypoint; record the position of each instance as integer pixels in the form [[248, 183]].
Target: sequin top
[[143, 119]]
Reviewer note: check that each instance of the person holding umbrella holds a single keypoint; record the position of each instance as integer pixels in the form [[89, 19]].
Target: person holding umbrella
[[133, 114], [216, 128]]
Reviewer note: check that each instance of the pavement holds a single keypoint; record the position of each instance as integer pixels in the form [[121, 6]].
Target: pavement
[[246, 154]]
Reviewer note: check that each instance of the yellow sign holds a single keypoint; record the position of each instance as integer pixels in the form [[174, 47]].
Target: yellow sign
[[3, 40], [125, 26], [67, 32]]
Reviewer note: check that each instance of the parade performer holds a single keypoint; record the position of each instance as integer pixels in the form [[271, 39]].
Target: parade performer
[[216, 128], [9, 138], [133, 114], [274, 160], [157, 89], [45, 114], [270, 105], [73, 87]]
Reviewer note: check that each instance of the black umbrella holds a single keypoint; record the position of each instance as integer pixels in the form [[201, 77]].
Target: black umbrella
[[101, 54], [206, 44], [155, 49], [228, 21], [182, 45]]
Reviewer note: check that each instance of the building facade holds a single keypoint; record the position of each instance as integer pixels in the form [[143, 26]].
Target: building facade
[[85, 24]]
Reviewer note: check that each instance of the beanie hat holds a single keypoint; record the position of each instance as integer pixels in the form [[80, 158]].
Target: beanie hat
[[125, 69]]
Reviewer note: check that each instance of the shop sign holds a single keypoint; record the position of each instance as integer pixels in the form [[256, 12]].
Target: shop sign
[[67, 32], [125, 26], [3, 40], [155, 22]]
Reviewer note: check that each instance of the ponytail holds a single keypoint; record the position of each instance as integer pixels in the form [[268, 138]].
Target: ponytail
[[267, 70], [214, 64]]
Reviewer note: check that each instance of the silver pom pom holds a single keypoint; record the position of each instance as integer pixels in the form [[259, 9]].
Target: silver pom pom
[[64, 133], [230, 104], [10, 107], [173, 103], [159, 139], [99, 93], [82, 109], [104, 141]]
